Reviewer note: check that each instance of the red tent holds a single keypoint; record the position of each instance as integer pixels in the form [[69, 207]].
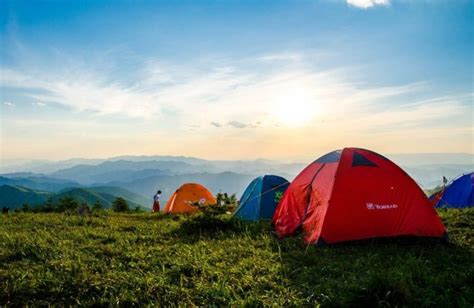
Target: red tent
[[355, 194]]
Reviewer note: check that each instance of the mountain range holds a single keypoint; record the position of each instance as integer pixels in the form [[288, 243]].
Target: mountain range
[[144, 175], [38, 182]]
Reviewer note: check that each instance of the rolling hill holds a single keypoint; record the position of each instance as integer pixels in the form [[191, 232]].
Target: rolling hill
[[125, 193], [15, 196]]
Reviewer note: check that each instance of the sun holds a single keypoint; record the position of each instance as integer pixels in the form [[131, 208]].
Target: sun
[[294, 107]]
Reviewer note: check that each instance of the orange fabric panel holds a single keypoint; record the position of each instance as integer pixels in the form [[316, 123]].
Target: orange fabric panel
[[181, 200]]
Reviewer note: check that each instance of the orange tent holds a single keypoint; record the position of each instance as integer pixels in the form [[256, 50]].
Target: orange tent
[[183, 197]]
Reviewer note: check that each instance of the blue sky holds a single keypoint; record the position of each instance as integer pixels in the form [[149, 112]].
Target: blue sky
[[234, 79]]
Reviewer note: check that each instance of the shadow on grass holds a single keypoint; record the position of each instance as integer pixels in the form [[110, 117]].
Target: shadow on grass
[[151, 217], [204, 227], [380, 272], [405, 271]]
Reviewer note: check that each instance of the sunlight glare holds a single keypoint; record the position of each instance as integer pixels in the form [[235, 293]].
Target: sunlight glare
[[295, 107]]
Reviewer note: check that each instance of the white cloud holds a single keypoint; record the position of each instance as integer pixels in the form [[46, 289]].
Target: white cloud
[[9, 104], [364, 4], [39, 104], [293, 56]]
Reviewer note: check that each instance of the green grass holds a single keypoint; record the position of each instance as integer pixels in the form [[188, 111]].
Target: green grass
[[115, 259]]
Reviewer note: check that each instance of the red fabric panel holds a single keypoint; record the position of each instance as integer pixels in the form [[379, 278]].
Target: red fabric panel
[[381, 201], [292, 207], [320, 195]]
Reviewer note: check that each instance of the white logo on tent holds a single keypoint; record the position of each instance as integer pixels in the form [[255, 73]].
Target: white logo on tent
[[372, 206]]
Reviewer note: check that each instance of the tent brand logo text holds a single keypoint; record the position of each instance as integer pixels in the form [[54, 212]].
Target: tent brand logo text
[[371, 206]]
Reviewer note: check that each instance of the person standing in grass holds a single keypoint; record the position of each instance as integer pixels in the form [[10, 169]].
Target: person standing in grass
[[156, 202]]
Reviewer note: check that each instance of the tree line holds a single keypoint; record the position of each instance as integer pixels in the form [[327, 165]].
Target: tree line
[[70, 204], [225, 203]]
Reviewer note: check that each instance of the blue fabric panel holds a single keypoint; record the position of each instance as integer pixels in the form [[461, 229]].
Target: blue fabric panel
[[248, 191], [332, 157], [271, 185], [249, 203], [258, 200], [459, 194]]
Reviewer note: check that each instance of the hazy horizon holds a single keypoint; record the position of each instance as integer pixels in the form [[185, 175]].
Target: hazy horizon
[[407, 158], [224, 158]]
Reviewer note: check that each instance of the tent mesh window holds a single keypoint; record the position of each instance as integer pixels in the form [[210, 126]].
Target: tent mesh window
[[358, 160]]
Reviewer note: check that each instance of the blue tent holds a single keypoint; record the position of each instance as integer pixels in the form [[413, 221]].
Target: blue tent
[[459, 194], [258, 200]]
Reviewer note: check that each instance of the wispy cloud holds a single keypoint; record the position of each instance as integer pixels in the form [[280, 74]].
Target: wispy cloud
[[364, 4], [248, 90], [400, 118], [39, 104], [84, 89], [237, 124], [286, 56], [9, 104]]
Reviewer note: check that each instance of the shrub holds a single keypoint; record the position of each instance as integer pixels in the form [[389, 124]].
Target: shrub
[[229, 203], [212, 218], [97, 206], [48, 206], [25, 207], [120, 205], [67, 203]]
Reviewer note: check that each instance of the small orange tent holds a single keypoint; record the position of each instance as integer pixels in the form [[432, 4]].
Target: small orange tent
[[183, 197]]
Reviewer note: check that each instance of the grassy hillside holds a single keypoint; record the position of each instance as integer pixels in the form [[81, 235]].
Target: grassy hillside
[[14, 196], [126, 259], [104, 195], [86, 196], [119, 191]]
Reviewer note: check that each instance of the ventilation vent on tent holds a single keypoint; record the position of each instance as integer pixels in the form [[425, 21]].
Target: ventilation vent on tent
[[377, 154], [332, 157], [359, 160]]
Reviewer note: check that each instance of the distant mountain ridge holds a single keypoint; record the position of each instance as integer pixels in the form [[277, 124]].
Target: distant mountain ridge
[[47, 167], [122, 170], [228, 182], [38, 182], [143, 175]]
